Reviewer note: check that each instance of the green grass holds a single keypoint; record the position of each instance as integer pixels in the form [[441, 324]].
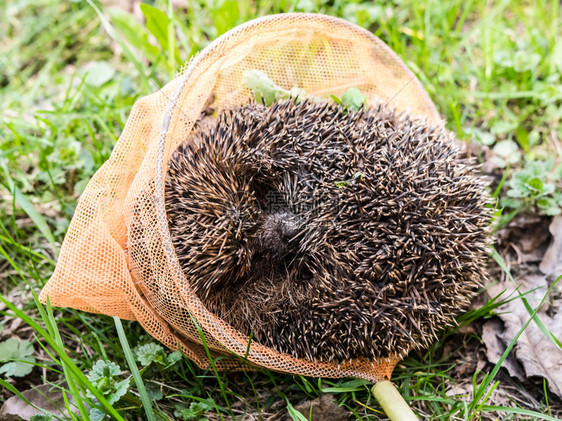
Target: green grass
[[493, 68]]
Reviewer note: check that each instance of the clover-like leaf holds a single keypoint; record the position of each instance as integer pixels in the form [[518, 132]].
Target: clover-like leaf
[[535, 184], [13, 349], [120, 389], [549, 206], [174, 357], [531, 186], [97, 415], [103, 375], [154, 391], [103, 369]]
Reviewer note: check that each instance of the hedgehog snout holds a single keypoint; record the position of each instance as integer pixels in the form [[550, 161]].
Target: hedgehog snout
[[275, 239]]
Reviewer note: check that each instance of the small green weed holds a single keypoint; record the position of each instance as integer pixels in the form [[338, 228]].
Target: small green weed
[[357, 176], [534, 186], [352, 99], [154, 353], [194, 412], [105, 376]]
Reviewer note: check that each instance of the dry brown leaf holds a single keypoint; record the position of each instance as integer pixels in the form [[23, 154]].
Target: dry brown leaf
[[526, 238], [552, 261], [46, 397], [493, 337], [323, 408], [537, 354]]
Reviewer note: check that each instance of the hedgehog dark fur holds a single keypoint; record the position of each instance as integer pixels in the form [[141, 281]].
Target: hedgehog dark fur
[[332, 235]]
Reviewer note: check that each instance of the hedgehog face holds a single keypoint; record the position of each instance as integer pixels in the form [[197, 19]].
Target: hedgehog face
[[331, 235]]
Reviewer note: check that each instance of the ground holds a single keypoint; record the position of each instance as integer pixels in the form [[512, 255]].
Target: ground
[[69, 75]]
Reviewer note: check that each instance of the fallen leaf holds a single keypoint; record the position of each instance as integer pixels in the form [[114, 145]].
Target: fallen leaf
[[464, 391], [552, 261], [47, 397], [323, 408], [492, 336], [537, 354], [526, 238], [460, 391]]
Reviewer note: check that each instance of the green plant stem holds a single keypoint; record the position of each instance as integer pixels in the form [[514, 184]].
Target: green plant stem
[[392, 402]]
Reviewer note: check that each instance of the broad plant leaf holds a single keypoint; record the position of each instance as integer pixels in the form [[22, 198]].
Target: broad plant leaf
[[157, 23], [149, 353], [353, 98], [226, 16], [155, 353], [162, 27], [103, 369]]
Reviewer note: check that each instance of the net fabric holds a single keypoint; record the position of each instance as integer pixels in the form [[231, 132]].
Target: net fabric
[[117, 257]]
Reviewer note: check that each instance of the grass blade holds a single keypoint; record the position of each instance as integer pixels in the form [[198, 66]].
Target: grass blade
[[520, 411], [134, 370], [490, 377], [528, 307], [28, 207], [212, 364], [67, 372], [60, 351]]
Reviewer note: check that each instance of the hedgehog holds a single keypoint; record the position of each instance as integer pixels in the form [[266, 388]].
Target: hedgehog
[[328, 233]]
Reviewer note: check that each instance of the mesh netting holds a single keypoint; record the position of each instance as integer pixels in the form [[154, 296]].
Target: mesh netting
[[117, 257]]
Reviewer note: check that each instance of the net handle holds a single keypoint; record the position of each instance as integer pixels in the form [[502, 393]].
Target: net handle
[[392, 402]]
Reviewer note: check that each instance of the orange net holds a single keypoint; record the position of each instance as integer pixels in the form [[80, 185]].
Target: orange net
[[117, 257]]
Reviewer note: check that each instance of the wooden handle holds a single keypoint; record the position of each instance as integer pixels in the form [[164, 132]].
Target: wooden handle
[[392, 402]]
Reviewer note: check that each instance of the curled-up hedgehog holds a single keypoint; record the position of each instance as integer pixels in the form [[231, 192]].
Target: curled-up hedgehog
[[327, 233]]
